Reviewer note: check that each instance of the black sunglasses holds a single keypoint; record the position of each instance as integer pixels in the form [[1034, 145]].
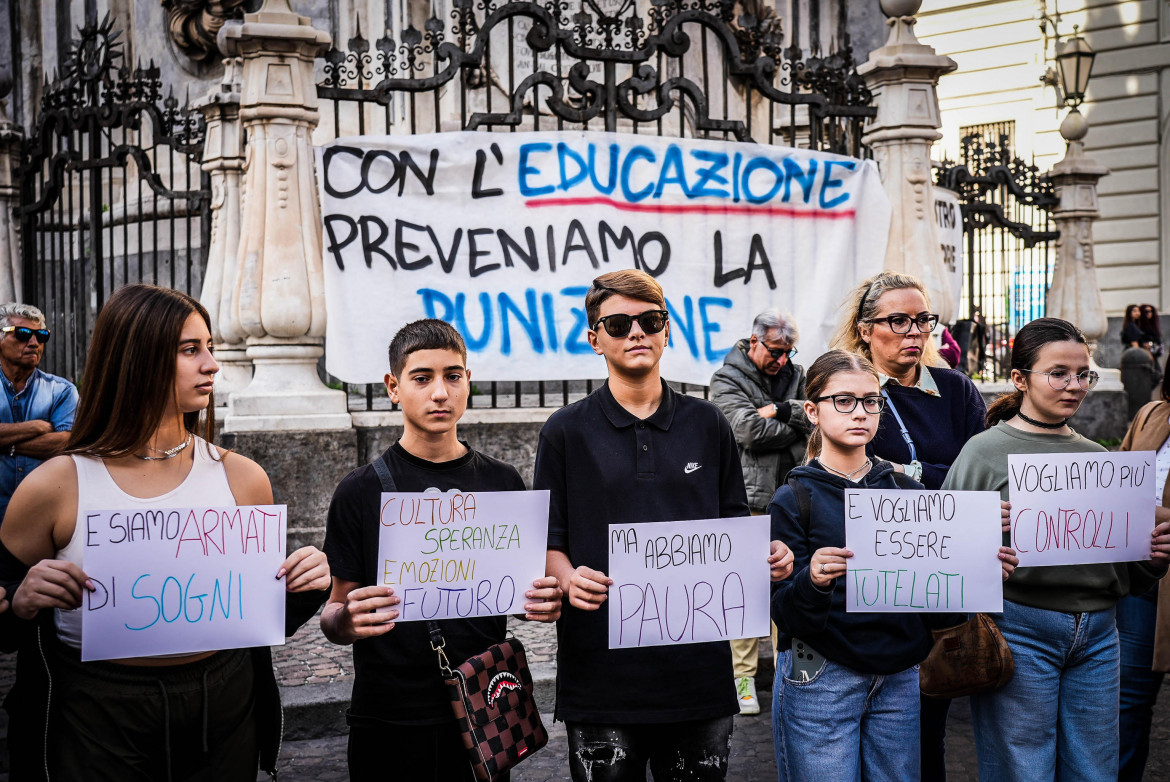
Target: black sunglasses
[[779, 353], [651, 322], [24, 333]]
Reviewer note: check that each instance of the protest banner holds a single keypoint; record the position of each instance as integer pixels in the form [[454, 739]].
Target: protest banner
[[949, 219], [182, 580], [933, 551], [501, 235], [681, 582], [1081, 508], [458, 554]]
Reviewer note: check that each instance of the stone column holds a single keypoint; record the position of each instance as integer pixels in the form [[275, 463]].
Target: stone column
[[1074, 294], [279, 292], [223, 159], [10, 261], [903, 77]]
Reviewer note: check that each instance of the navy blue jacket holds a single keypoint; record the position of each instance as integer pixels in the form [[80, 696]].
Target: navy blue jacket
[[939, 425], [871, 643]]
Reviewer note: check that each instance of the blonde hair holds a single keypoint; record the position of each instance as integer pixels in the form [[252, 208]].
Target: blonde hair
[[861, 305], [828, 364]]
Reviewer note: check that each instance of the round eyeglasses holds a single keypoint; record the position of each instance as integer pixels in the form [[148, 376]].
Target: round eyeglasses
[[1059, 379], [847, 403]]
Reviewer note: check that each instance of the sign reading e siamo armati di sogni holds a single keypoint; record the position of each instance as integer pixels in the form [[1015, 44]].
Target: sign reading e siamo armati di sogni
[[501, 235]]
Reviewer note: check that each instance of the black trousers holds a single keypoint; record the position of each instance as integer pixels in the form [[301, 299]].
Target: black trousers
[[695, 751], [933, 735], [190, 723], [384, 752]]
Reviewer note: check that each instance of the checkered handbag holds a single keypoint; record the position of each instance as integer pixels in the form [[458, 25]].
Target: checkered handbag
[[491, 696]]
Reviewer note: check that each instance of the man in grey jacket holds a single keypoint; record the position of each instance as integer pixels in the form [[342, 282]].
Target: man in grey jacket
[[761, 392]]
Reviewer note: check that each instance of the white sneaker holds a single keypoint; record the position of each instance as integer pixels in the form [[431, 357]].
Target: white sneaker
[[748, 702]]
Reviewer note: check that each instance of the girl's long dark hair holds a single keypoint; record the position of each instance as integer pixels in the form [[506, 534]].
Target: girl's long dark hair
[[130, 372], [1025, 353], [817, 380], [1149, 323]]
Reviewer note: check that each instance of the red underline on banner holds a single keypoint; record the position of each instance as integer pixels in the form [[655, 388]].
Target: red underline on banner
[[770, 211]]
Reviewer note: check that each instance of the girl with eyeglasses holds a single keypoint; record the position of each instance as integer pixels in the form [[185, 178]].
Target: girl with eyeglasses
[[845, 701], [1058, 716], [931, 412], [141, 440]]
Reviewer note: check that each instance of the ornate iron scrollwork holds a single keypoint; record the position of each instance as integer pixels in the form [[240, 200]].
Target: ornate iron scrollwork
[[93, 94], [992, 165], [608, 60]]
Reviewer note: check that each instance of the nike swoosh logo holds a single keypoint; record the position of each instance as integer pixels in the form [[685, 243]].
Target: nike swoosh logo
[[691, 468]]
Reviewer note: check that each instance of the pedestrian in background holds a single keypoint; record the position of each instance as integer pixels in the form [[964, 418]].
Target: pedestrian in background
[[35, 424], [931, 411], [1058, 715], [761, 391], [1151, 327]]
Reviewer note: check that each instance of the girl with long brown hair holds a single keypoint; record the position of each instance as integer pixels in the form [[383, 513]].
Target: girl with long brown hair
[[141, 439]]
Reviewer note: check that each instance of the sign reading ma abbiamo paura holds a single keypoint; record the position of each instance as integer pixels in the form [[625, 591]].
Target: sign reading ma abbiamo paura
[[501, 234]]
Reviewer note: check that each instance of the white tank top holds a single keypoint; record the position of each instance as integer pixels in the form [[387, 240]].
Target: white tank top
[[206, 486]]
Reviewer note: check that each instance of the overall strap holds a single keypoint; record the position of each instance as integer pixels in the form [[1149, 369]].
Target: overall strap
[[901, 426], [383, 470]]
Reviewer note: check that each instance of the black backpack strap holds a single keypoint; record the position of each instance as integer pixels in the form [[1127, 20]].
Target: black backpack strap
[[803, 503], [383, 470]]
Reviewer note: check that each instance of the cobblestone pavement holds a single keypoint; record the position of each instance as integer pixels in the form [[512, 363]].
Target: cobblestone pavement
[[752, 759]]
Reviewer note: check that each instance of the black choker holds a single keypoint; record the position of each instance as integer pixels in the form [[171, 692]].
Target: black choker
[[1041, 424]]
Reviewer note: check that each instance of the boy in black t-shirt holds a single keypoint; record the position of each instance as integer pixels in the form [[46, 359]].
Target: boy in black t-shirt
[[400, 719], [636, 451]]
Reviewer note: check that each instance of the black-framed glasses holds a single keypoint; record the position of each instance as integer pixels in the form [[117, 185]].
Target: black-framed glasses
[[1059, 379], [619, 325], [847, 403], [900, 323], [24, 333]]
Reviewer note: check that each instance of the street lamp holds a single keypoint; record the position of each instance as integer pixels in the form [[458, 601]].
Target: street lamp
[[1075, 63]]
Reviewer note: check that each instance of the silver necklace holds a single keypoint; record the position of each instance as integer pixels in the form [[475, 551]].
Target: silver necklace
[[846, 475], [169, 453]]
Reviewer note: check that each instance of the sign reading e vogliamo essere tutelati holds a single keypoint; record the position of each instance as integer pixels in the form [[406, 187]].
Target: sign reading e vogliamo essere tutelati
[[171, 581], [680, 582], [934, 551], [1080, 508], [453, 555], [501, 234]]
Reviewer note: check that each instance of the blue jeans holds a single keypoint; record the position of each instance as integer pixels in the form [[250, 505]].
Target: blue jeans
[[1057, 718], [845, 726], [1139, 684]]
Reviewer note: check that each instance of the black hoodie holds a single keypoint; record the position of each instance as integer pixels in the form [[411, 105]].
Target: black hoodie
[[870, 643]]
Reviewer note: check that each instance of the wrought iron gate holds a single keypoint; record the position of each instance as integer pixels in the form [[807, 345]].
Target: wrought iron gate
[[1008, 233], [687, 68], [111, 192]]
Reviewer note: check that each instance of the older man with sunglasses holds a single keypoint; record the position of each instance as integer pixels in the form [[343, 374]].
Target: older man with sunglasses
[[35, 422], [761, 391]]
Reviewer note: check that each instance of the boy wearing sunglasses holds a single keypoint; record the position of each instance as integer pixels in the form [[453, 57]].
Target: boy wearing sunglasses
[[36, 421], [636, 451]]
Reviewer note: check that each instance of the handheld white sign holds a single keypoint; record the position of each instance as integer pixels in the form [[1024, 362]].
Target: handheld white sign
[[458, 554], [931, 551], [680, 582], [182, 580], [1081, 508]]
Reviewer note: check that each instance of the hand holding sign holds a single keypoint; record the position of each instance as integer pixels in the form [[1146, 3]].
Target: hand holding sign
[[51, 583]]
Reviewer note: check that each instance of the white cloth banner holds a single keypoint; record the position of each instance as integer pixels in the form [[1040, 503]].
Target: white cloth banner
[[949, 220], [459, 554], [1081, 508], [502, 233], [681, 582], [923, 551], [182, 580]]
